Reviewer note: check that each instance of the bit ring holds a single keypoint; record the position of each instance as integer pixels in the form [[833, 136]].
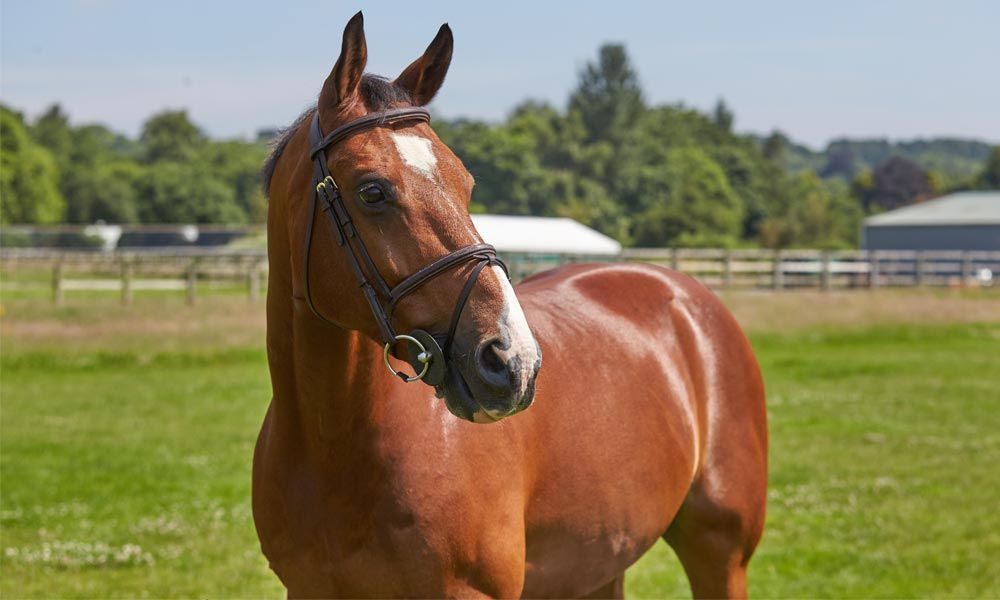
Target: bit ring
[[424, 357]]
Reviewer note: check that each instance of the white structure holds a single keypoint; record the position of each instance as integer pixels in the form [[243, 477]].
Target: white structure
[[543, 235], [109, 234]]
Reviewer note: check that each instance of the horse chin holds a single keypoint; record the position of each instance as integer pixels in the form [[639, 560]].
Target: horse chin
[[459, 400]]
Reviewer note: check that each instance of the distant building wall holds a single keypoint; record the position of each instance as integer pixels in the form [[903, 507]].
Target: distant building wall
[[931, 237]]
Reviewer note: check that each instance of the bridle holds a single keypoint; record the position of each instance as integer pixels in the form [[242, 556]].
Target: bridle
[[430, 362]]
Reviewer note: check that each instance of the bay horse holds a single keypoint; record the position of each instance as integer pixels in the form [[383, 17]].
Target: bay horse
[[646, 421]]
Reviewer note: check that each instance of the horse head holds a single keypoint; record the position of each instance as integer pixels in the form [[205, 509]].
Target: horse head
[[396, 200]]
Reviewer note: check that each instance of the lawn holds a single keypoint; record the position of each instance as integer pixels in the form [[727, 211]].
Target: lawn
[[126, 436]]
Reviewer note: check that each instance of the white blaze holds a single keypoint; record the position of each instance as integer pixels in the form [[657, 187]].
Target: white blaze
[[514, 323], [416, 153]]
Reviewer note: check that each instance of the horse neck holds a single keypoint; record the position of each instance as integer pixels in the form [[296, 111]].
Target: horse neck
[[325, 390]]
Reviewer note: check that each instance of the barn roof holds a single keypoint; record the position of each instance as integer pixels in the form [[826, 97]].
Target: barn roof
[[543, 235], [961, 208]]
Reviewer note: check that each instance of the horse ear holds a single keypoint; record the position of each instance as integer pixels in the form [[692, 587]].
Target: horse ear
[[346, 74], [423, 78]]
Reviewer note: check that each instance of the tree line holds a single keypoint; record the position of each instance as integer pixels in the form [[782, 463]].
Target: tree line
[[173, 173], [647, 175]]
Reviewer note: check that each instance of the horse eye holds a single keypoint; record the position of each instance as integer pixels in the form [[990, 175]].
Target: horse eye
[[371, 194]]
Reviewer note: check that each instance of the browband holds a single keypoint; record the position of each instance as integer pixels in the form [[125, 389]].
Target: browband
[[379, 119]]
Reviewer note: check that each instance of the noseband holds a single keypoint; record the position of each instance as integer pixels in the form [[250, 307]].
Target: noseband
[[430, 362]]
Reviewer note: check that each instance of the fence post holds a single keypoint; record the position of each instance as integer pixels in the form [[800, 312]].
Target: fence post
[[675, 259], [253, 281], [57, 283], [126, 270], [727, 269], [778, 276], [192, 278], [966, 268], [826, 275], [918, 269], [873, 270]]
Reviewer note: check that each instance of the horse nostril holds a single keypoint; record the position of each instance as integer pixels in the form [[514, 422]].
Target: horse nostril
[[491, 365]]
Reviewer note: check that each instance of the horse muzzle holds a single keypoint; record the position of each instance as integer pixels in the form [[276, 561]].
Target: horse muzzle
[[491, 382]]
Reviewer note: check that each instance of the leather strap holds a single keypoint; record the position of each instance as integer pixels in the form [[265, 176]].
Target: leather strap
[[440, 265], [379, 119]]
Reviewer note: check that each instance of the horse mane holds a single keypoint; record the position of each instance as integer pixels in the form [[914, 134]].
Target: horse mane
[[377, 92]]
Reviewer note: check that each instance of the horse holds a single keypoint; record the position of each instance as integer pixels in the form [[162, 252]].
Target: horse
[[470, 468]]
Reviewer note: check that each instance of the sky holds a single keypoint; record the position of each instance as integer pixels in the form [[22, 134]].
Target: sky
[[815, 70]]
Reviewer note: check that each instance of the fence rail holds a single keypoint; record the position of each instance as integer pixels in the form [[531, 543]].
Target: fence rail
[[189, 269]]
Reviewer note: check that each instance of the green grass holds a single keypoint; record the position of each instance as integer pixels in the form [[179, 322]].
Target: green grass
[[126, 473], [128, 476]]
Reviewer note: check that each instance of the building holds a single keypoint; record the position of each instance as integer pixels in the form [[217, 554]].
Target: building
[[960, 221], [544, 235]]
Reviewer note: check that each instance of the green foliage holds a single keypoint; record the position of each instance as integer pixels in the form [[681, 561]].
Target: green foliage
[[723, 116], [648, 175], [956, 160], [689, 202], [29, 191], [173, 174], [989, 178], [104, 192], [52, 130], [608, 96], [775, 146], [822, 215], [171, 136], [177, 193], [237, 164]]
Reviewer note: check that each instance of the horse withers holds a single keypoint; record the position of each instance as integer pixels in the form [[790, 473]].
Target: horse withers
[[646, 417]]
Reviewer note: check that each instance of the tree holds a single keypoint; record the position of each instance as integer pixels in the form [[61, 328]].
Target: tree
[[774, 147], [237, 164], [608, 96], [106, 192], [509, 177], [722, 116], [896, 182], [171, 136], [989, 178], [841, 162], [29, 191], [817, 214], [688, 202], [559, 141], [53, 131], [176, 193]]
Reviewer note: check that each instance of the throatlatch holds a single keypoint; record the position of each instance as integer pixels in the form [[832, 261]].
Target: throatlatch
[[430, 360]]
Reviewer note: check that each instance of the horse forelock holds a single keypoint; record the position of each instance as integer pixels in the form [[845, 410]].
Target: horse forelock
[[377, 93]]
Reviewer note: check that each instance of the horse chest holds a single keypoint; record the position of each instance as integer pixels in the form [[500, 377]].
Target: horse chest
[[353, 532], [335, 546]]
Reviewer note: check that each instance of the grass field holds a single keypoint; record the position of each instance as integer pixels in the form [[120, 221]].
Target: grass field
[[127, 437]]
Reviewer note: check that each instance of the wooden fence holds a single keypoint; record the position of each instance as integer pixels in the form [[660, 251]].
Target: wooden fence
[[826, 270], [192, 270], [126, 272]]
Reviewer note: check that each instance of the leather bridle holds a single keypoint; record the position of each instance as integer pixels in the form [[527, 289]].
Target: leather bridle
[[430, 362]]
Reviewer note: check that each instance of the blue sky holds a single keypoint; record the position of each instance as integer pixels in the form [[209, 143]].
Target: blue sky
[[898, 69]]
